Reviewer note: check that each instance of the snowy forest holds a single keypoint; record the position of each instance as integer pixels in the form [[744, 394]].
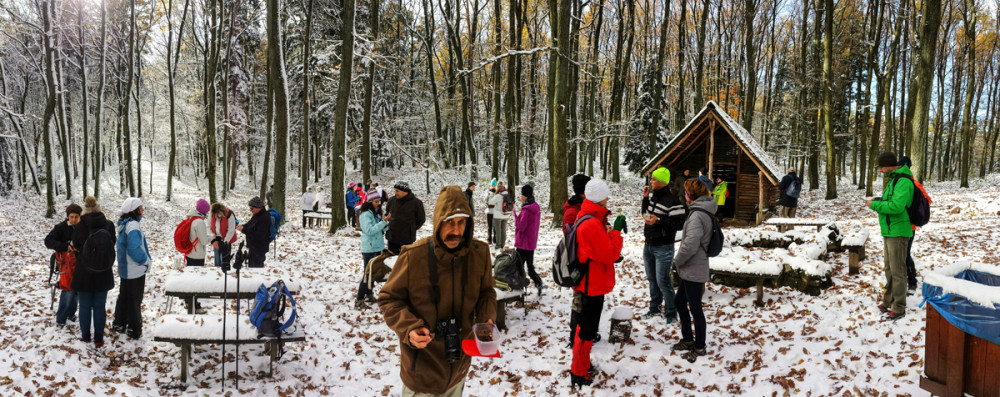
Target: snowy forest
[[161, 108], [225, 92]]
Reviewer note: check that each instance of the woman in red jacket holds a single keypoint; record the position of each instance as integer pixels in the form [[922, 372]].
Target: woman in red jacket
[[599, 246]]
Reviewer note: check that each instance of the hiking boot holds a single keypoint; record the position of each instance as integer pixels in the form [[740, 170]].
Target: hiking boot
[[578, 382], [200, 311], [892, 316], [98, 343], [371, 298], [134, 335], [683, 345], [597, 338], [118, 328], [360, 305], [670, 319], [882, 309], [693, 354], [85, 340], [651, 314], [71, 318]]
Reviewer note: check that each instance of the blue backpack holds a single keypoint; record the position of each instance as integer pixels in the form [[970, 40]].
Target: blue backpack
[[275, 224], [269, 310]]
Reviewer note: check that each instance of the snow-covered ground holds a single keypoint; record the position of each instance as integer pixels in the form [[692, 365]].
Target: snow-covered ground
[[832, 344]]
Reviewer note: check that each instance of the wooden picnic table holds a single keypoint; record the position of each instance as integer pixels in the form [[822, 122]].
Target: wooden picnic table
[[318, 218], [503, 298], [185, 330], [207, 283]]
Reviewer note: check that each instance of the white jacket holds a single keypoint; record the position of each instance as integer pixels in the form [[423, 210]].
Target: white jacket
[[497, 202], [308, 200], [198, 236]]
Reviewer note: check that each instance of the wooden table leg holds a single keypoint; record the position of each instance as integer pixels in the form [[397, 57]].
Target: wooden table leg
[[852, 256], [185, 356], [760, 293], [273, 347], [501, 316]]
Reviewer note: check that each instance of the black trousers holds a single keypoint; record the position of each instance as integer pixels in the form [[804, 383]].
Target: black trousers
[[128, 309], [352, 216], [590, 316], [194, 262], [911, 268], [528, 258], [256, 258], [489, 228], [688, 303], [364, 288], [394, 247]]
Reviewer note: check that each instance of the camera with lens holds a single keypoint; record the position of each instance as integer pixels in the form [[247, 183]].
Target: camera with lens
[[449, 331]]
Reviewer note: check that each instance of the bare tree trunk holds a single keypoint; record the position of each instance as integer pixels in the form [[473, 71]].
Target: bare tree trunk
[[50, 103], [560, 15], [922, 84], [366, 123], [681, 119], [968, 124], [98, 163], [307, 107], [831, 164], [661, 52], [750, 101], [339, 218]]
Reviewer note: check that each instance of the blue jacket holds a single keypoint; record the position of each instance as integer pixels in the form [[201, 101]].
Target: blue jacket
[[372, 228], [133, 252], [352, 198]]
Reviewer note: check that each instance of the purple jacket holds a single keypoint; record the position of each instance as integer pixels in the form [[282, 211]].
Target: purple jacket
[[526, 227]]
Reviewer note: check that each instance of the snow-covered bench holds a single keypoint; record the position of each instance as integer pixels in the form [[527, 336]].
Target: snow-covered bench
[[208, 283], [854, 243], [757, 271], [185, 330], [317, 218], [503, 298], [784, 224]]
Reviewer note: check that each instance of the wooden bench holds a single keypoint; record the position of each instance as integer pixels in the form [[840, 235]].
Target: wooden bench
[[784, 224], [854, 243], [185, 330], [503, 298], [317, 218], [207, 283], [758, 279]]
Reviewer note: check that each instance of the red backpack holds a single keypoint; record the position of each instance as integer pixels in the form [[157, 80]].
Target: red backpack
[[181, 241]]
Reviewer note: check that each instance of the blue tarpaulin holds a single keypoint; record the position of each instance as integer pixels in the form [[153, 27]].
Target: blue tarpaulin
[[973, 318]]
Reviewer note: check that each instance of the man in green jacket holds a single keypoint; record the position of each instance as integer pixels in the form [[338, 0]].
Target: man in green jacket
[[896, 231]]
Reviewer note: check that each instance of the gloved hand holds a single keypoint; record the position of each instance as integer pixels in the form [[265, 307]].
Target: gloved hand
[[619, 222]]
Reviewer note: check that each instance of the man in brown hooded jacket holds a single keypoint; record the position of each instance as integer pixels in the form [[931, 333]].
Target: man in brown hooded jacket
[[464, 292]]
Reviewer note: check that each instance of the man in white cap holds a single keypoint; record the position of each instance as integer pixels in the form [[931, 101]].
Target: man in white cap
[[455, 271]]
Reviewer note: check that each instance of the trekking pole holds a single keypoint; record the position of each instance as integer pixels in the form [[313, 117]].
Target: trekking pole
[[240, 257], [225, 299]]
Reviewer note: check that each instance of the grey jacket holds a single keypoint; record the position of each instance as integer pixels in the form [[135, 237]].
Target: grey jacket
[[691, 260]]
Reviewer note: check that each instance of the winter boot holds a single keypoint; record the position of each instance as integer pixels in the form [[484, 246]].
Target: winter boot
[[578, 382], [693, 354], [683, 345]]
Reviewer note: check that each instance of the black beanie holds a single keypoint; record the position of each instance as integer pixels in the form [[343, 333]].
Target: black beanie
[[887, 159], [580, 183], [528, 191], [905, 161]]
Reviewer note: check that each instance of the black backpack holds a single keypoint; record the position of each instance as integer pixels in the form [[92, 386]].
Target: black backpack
[[508, 202], [567, 271], [794, 188], [920, 209], [98, 251], [505, 270], [718, 239]]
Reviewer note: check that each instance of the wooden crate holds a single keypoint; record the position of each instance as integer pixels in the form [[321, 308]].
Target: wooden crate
[[956, 363]]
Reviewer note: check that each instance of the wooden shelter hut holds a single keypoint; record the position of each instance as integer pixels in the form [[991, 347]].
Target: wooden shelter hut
[[716, 142]]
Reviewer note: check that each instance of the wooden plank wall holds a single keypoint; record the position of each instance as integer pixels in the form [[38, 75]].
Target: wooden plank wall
[[956, 363]]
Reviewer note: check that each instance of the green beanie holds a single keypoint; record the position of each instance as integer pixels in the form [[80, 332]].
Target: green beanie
[[662, 174]]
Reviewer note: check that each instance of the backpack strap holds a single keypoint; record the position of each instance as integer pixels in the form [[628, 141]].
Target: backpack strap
[[291, 318], [710, 217]]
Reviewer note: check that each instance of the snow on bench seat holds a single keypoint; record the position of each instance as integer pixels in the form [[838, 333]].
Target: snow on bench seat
[[744, 261], [854, 242], [856, 237], [798, 221], [202, 327], [505, 297], [209, 281]]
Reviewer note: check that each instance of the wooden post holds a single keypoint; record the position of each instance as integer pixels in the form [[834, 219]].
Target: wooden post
[[760, 293], [853, 267], [711, 147], [185, 355], [760, 204]]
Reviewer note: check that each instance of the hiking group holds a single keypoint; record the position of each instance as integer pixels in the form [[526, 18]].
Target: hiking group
[[87, 245], [444, 284]]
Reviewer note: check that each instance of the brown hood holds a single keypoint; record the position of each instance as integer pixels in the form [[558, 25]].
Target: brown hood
[[451, 200]]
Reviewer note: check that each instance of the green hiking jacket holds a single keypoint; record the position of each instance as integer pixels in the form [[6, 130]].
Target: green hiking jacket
[[896, 197]]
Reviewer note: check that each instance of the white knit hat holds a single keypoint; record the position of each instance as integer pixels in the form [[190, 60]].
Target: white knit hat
[[597, 190], [130, 205]]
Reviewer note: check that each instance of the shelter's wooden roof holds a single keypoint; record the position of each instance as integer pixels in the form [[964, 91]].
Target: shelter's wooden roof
[[691, 134]]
